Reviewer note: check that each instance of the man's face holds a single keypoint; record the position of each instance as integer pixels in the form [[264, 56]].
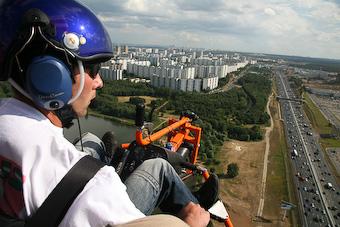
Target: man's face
[[92, 83]]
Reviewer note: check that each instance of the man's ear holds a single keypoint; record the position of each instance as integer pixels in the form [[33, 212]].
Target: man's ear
[[48, 82]]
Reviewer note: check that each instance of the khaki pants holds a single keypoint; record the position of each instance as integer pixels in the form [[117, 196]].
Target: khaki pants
[[159, 220]]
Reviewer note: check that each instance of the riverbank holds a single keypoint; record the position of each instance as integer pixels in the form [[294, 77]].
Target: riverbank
[[116, 119]]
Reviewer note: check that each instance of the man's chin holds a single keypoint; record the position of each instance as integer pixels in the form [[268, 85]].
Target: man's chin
[[82, 113]]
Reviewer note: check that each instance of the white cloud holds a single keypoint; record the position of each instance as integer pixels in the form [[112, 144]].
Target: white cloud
[[186, 36], [136, 5], [328, 13], [275, 26], [269, 11], [306, 4]]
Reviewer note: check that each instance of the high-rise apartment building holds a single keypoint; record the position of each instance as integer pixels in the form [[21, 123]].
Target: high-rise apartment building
[[126, 49], [118, 50]]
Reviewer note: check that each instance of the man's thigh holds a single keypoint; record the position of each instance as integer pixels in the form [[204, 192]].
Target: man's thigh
[[160, 220]]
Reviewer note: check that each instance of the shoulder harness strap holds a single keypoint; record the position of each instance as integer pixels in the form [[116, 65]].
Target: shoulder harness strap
[[54, 208]]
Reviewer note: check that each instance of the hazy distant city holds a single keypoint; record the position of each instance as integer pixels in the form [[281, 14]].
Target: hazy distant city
[[185, 69]]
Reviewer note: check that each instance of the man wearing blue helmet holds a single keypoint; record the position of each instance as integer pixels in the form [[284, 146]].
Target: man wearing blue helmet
[[50, 51]]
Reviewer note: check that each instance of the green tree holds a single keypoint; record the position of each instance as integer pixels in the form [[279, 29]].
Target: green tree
[[5, 89], [136, 100], [232, 170], [210, 154], [204, 157]]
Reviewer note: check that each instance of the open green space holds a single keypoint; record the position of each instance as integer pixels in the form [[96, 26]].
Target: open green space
[[318, 121]]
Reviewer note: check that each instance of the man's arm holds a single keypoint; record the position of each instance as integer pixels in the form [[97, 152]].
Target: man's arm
[[194, 215]]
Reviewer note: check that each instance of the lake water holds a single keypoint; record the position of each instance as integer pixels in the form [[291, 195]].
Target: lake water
[[99, 126]]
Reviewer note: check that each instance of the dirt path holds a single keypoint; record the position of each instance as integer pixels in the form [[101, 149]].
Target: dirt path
[[265, 161], [158, 108]]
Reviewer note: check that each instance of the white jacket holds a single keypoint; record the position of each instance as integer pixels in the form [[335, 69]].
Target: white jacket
[[35, 156]]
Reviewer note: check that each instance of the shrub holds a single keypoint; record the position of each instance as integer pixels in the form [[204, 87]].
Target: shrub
[[232, 170]]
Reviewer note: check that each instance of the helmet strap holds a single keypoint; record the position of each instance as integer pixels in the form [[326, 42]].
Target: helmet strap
[[66, 116], [82, 82]]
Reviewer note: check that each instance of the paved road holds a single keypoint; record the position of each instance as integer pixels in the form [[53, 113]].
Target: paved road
[[315, 201], [231, 84]]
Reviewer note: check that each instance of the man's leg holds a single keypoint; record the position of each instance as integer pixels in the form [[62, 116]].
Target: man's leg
[[92, 145], [155, 183]]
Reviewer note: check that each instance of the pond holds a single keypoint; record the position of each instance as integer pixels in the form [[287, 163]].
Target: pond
[[99, 126]]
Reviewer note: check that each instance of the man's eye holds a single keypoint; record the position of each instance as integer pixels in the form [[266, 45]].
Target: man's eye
[[94, 69]]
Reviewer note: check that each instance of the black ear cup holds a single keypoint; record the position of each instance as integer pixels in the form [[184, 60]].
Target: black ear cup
[[48, 82]]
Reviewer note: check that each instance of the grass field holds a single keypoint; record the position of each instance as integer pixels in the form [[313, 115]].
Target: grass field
[[318, 121], [126, 99]]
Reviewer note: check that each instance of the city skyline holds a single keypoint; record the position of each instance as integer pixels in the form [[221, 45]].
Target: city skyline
[[297, 28]]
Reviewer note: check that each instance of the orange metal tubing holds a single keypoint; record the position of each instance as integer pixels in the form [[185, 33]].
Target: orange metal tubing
[[177, 140], [159, 134], [139, 134], [125, 145], [228, 223], [206, 175]]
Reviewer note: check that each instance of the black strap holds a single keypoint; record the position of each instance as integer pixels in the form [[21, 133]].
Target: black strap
[[54, 208]]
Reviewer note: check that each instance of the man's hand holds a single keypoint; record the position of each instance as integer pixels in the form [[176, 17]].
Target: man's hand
[[194, 215]]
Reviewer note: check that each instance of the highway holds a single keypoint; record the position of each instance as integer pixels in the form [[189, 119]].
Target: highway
[[318, 204]]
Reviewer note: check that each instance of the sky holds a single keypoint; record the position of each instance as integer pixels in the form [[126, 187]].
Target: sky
[[308, 28]]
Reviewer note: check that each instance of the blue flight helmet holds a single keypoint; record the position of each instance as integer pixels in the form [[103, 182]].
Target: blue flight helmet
[[40, 43]]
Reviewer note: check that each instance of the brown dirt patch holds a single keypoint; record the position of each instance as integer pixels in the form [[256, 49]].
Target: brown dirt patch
[[242, 193]]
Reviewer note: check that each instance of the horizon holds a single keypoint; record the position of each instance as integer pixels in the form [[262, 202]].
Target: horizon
[[292, 28], [206, 49]]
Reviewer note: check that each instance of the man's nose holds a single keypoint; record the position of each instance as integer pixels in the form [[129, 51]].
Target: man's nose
[[98, 82]]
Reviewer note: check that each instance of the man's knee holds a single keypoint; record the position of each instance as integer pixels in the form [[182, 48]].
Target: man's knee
[[158, 164], [157, 161], [91, 145]]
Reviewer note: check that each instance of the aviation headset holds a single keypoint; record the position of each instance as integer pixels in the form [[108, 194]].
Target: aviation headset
[[48, 82], [53, 46]]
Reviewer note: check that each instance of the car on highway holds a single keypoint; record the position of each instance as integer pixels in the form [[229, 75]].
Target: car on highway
[[333, 208]]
